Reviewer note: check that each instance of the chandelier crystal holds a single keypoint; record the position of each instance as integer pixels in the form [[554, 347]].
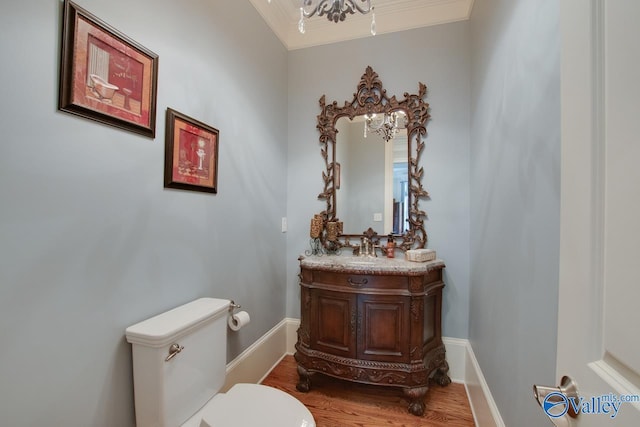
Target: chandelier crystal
[[335, 11], [385, 125]]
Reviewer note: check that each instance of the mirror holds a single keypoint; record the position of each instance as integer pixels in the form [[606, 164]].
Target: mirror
[[372, 181], [372, 184]]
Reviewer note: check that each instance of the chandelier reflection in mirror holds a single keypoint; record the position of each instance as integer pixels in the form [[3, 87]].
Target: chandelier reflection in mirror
[[385, 125], [335, 10]]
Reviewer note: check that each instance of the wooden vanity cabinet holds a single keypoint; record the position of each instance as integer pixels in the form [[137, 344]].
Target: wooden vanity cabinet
[[360, 326], [376, 326]]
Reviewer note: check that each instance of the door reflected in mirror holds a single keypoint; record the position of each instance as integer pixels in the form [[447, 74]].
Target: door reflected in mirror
[[373, 192]]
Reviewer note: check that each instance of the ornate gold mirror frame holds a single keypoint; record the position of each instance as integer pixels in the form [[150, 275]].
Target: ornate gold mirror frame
[[371, 98]]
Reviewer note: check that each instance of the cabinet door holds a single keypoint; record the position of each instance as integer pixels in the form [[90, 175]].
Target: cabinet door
[[383, 328], [333, 322]]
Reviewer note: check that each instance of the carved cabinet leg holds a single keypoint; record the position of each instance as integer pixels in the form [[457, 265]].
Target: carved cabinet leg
[[416, 399], [441, 375], [304, 383]]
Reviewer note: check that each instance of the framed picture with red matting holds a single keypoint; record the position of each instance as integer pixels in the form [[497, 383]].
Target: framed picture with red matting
[[104, 75], [191, 154]]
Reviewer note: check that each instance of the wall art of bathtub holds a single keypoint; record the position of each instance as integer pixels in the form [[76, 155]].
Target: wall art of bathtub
[[103, 88]]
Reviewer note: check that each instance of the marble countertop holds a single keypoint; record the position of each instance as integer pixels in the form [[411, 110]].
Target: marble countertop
[[368, 265]]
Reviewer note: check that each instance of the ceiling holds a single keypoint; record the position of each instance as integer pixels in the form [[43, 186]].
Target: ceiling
[[391, 15]]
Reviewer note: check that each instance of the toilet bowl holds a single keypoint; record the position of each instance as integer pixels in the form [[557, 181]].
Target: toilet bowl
[[252, 405], [179, 367]]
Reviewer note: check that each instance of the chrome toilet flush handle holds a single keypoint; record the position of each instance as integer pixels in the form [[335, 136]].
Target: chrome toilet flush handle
[[173, 351]]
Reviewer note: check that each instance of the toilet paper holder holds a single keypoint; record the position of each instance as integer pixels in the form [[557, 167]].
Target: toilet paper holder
[[237, 319], [233, 306]]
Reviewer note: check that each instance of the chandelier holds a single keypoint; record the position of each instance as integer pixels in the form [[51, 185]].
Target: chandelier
[[335, 10], [385, 125]]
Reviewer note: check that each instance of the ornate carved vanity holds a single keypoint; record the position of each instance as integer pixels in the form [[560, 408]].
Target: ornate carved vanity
[[368, 318], [372, 322]]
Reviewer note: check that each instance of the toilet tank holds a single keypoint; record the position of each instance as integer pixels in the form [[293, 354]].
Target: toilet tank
[[168, 392]]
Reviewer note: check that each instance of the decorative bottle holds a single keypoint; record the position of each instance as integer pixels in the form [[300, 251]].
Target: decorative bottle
[[391, 247]]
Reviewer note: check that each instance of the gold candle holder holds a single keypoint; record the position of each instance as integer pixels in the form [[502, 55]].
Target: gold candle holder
[[332, 231], [316, 226]]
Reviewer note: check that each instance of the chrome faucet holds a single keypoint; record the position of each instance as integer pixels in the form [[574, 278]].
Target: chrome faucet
[[364, 246], [367, 247]]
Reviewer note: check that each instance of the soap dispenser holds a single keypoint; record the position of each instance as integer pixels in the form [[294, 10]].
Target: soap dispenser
[[391, 247]]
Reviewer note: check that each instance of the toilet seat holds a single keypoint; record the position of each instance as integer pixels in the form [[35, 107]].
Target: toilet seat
[[249, 405]]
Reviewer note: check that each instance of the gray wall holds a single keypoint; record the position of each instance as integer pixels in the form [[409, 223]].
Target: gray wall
[[91, 243], [437, 56], [515, 185]]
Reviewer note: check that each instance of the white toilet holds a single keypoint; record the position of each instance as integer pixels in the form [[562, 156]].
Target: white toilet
[[179, 367]]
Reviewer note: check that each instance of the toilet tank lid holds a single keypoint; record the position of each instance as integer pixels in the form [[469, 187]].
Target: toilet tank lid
[[162, 329]]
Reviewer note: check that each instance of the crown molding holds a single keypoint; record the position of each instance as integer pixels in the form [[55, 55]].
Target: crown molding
[[391, 16]]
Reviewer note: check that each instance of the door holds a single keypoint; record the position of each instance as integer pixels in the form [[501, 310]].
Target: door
[[383, 328], [333, 322], [599, 297]]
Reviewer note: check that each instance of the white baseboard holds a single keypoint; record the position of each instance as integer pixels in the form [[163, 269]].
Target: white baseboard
[[292, 334], [456, 351], [255, 363], [484, 409]]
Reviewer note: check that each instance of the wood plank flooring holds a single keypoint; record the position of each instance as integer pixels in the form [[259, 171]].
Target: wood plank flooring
[[337, 403]]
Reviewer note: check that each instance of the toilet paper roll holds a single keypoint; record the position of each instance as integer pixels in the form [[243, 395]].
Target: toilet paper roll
[[238, 320]]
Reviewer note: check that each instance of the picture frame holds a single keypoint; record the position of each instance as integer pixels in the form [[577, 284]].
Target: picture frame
[[104, 75], [191, 154]]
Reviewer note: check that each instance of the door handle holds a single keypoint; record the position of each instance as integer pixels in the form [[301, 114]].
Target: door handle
[[556, 402], [357, 283]]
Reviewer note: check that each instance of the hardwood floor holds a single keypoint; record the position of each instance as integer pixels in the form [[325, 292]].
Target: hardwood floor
[[336, 403]]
